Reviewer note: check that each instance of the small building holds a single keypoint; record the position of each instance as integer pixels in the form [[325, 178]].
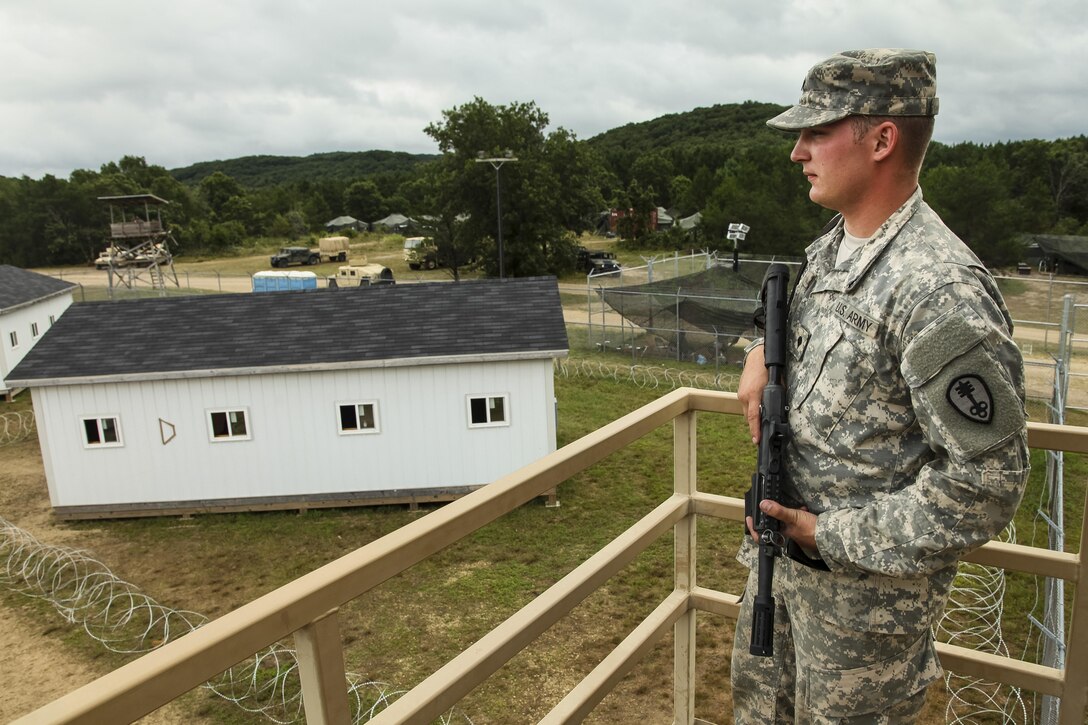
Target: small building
[[664, 219], [341, 223], [29, 305], [398, 393]]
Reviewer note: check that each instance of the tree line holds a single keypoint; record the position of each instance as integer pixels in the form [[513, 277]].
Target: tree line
[[721, 161]]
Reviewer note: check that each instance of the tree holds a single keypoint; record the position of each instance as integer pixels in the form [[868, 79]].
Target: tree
[[550, 190], [217, 189], [635, 208], [654, 170], [765, 190], [976, 202], [441, 218], [363, 200]]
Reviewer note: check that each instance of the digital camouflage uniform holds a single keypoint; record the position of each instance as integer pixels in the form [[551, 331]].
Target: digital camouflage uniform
[[908, 440]]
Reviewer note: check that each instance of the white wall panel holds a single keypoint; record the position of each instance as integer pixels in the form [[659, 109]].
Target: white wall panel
[[19, 321], [295, 448]]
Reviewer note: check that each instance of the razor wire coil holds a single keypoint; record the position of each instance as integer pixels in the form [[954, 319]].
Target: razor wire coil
[[645, 376], [972, 619], [15, 427], [84, 592]]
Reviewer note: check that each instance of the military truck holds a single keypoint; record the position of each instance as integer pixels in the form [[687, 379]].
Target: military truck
[[596, 262], [420, 253], [295, 255], [361, 275]]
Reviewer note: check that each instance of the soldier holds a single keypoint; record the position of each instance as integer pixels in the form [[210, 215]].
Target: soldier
[[908, 443]]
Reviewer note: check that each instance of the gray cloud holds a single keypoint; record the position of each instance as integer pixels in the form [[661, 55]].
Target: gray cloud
[[177, 83]]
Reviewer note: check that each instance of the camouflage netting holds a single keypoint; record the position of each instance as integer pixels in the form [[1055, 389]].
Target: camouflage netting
[[715, 305]]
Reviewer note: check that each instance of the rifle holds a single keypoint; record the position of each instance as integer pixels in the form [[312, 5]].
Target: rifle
[[767, 480]]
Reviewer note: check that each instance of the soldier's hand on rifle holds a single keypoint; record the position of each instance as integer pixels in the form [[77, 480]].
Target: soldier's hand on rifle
[[797, 524], [750, 389]]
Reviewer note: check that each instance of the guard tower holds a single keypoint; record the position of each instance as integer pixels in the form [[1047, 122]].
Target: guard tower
[[139, 249]]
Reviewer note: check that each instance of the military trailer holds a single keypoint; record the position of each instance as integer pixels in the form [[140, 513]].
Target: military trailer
[[333, 249]]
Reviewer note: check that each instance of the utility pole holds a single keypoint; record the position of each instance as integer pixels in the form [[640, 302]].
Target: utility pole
[[496, 163]]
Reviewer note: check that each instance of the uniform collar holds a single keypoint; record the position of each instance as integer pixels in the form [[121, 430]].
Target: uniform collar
[[821, 253]]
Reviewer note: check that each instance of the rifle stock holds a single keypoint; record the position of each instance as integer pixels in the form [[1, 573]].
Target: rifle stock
[[767, 480]]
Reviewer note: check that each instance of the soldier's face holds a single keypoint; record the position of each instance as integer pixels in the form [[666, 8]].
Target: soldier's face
[[834, 163]]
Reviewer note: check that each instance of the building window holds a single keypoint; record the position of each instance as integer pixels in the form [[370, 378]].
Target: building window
[[488, 410], [52, 319], [33, 329], [358, 418], [101, 433], [14, 338], [228, 425]]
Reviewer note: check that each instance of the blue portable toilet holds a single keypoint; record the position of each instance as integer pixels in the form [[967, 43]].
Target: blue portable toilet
[[282, 281]]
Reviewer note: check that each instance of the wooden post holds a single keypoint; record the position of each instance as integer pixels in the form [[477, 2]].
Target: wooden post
[[321, 670], [684, 482], [1074, 704]]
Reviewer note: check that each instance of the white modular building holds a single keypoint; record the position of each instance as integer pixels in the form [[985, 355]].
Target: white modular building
[[295, 400], [29, 305]]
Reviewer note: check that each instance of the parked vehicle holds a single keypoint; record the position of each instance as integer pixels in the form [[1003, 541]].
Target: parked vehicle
[[333, 249], [596, 262], [364, 275], [295, 255], [420, 252]]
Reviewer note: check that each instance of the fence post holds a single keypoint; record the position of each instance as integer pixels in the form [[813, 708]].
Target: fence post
[[685, 444], [321, 670], [679, 334], [589, 315]]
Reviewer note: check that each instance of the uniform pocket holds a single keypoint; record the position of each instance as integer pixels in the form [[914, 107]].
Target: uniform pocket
[[834, 373], [871, 689]]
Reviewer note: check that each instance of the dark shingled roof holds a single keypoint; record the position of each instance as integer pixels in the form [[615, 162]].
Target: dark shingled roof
[[175, 335], [20, 287]]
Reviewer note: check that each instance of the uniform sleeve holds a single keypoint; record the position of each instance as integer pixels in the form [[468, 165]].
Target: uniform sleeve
[[965, 376]]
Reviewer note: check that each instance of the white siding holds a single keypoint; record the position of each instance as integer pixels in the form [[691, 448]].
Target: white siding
[[21, 321], [295, 447]]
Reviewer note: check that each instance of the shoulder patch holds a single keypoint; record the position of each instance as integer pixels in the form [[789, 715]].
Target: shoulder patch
[[970, 397]]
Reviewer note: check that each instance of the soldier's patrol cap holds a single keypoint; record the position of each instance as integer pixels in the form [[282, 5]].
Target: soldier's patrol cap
[[872, 82]]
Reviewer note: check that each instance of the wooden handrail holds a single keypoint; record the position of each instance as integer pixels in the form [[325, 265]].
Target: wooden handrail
[[305, 606]]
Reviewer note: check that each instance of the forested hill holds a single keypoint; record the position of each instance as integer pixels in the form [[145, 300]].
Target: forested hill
[[260, 171], [733, 123], [703, 133]]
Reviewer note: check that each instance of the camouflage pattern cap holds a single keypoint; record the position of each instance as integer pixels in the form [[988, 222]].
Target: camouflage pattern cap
[[873, 82]]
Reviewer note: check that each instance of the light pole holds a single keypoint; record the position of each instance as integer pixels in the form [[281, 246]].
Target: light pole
[[737, 232], [497, 162]]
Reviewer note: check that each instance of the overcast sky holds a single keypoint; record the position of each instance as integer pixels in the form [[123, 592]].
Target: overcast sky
[[84, 82]]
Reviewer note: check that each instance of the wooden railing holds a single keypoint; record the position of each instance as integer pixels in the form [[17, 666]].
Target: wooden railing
[[135, 228], [307, 607]]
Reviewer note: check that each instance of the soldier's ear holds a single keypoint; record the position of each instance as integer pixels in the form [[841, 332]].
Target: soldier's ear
[[884, 139]]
